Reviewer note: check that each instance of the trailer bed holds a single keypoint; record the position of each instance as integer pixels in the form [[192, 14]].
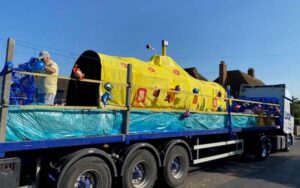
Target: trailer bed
[[27, 123], [94, 140]]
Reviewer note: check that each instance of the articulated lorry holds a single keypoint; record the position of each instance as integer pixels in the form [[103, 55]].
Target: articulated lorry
[[129, 123]]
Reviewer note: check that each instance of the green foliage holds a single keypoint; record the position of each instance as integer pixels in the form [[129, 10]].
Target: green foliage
[[296, 109]]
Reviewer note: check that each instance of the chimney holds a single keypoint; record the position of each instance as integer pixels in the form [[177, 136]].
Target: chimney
[[222, 73], [251, 72]]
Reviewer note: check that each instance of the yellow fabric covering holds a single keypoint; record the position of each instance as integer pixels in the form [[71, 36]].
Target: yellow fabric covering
[[159, 73]]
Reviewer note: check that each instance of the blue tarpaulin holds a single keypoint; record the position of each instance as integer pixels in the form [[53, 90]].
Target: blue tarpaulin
[[40, 124], [56, 123]]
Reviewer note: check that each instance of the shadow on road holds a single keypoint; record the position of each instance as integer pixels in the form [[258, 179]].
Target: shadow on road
[[282, 170]]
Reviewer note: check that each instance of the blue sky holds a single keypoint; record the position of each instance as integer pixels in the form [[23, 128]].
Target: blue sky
[[264, 34]]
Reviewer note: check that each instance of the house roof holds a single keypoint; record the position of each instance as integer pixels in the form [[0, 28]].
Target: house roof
[[251, 81], [237, 77], [194, 73]]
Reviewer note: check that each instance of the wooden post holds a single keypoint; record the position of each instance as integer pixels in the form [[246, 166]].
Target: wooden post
[[229, 123], [128, 97], [6, 89]]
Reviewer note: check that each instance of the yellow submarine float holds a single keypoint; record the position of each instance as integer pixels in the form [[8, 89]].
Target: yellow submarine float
[[107, 92], [159, 84]]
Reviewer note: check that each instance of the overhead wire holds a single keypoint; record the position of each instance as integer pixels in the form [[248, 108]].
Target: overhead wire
[[241, 56], [74, 55], [57, 52], [71, 54]]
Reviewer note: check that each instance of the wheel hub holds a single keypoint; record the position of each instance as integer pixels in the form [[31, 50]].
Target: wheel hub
[[176, 168], [86, 180], [289, 140], [264, 150], [139, 175]]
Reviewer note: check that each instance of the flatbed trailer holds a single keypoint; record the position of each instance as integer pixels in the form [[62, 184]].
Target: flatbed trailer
[[133, 159]]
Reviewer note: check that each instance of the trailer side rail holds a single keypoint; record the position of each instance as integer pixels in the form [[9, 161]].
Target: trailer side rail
[[236, 151]]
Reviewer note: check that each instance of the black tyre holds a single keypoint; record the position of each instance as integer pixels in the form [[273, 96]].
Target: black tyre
[[140, 170], [177, 165], [288, 142], [263, 148], [87, 172]]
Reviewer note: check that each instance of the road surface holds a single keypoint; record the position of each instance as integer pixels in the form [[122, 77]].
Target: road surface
[[282, 169]]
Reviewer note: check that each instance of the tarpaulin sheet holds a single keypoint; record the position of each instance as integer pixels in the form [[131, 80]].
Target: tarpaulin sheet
[[243, 121], [43, 124], [40, 124], [145, 121]]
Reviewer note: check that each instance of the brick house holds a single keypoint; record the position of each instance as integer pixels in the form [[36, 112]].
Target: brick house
[[236, 78]]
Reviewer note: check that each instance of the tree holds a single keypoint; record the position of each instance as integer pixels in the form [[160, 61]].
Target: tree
[[296, 110]]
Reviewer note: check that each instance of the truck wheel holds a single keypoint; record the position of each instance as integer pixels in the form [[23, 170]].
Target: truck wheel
[[87, 172], [141, 170], [289, 142], [264, 148], [176, 168]]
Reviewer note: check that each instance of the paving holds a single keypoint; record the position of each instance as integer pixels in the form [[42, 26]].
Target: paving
[[281, 169]]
